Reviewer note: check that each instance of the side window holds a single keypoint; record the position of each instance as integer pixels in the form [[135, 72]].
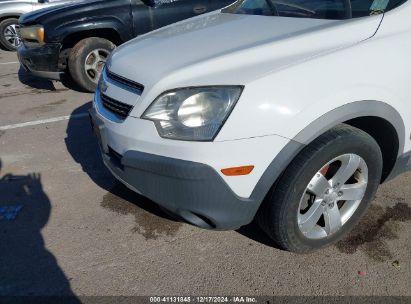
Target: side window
[[318, 9], [321, 9], [395, 3], [361, 8], [255, 7]]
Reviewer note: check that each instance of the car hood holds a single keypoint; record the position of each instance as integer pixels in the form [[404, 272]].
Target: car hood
[[221, 48], [17, 2], [53, 12], [9, 1]]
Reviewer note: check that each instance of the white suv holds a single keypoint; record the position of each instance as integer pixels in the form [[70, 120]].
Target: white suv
[[291, 112]]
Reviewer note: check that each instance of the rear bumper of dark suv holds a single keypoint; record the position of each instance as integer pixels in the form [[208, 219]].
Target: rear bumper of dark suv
[[193, 191]]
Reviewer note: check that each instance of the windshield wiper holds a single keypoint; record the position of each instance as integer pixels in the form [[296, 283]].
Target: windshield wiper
[[292, 5]]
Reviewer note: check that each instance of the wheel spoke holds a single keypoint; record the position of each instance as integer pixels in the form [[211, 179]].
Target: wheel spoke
[[89, 66], [308, 220], [349, 164], [332, 218], [91, 60], [318, 185], [95, 66], [353, 192], [96, 55]]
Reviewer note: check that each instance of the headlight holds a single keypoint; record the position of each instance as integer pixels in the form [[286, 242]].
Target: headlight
[[33, 33], [195, 114]]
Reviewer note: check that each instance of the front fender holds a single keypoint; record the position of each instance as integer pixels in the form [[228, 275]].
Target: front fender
[[63, 30], [302, 101]]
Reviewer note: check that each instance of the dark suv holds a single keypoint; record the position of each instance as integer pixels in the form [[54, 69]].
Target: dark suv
[[78, 38]]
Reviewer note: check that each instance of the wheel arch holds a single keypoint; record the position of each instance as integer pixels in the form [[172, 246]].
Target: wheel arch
[[106, 33], [11, 16], [380, 120], [382, 116]]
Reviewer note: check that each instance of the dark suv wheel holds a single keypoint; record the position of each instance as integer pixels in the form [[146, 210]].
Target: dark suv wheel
[[87, 60]]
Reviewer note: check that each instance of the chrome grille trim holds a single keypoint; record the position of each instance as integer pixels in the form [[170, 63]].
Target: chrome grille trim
[[127, 84], [120, 109]]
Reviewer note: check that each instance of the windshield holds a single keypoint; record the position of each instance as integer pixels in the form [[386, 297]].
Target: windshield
[[319, 9]]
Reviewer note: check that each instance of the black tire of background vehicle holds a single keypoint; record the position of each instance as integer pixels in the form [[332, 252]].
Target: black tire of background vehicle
[[3, 25], [278, 215], [77, 59]]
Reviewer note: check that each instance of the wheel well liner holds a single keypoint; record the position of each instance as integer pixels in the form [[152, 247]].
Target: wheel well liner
[[384, 134], [2, 18]]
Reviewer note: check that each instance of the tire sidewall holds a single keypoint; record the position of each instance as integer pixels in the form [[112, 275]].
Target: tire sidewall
[[3, 42], [346, 145]]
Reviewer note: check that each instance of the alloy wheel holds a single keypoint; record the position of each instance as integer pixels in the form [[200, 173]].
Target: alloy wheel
[[94, 64], [11, 35], [332, 196]]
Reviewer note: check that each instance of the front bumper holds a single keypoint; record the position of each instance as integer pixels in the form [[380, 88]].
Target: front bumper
[[185, 177], [41, 61], [193, 191]]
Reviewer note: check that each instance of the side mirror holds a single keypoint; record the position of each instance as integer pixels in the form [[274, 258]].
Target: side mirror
[[151, 3]]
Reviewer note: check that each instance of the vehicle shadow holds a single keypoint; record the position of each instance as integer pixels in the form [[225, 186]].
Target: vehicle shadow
[[255, 233], [38, 83], [83, 147], [2, 48], [34, 82], [27, 268]]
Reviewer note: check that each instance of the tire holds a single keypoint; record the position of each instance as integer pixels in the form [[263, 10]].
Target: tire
[[8, 34], [302, 193], [86, 61]]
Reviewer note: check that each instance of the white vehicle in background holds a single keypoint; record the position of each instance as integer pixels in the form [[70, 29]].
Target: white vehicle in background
[[289, 111], [10, 12]]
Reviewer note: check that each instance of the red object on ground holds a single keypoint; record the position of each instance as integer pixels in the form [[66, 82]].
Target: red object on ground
[[361, 274]]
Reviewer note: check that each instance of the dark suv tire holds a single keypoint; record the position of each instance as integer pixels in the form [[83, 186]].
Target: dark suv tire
[[87, 59], [324, 191], [9, 39]]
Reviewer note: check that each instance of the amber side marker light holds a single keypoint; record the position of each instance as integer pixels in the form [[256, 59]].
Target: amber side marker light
[[41, 35], [238, 171]]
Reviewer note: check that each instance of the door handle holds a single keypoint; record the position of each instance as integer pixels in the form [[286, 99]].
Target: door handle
[[200, 9]]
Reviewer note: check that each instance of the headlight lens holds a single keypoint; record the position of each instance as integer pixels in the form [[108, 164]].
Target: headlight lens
[[33, 33], [194, 114]]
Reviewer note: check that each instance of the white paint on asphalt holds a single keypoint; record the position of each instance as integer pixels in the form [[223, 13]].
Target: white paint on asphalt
[[43, 121], [12, 62]]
